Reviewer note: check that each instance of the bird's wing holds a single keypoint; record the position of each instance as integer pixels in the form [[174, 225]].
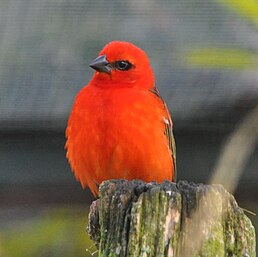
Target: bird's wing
[[168, 131]]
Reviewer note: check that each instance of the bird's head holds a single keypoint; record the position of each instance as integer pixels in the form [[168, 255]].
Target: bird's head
[[122, 64]]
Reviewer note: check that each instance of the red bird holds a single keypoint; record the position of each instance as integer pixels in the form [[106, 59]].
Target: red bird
[[119, 126]]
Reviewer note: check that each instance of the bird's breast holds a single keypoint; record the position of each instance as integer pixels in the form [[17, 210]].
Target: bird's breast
[[118, 133]]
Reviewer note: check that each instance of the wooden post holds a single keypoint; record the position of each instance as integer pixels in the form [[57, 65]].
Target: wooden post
[[168, 219]]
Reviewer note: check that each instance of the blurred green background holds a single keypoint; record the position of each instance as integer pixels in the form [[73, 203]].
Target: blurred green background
[[205, 57]]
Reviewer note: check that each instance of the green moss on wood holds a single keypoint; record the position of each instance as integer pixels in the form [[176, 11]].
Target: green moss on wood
[[185, 219]]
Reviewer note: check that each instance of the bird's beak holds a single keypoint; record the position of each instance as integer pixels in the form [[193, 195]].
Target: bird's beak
[[101, 64]]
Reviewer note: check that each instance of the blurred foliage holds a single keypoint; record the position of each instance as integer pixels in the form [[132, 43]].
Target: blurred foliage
[[222, 58], [246, 8], [228, 57], [59, 232]]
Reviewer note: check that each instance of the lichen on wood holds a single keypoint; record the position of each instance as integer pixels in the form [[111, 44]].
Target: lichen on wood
[[184, 219]]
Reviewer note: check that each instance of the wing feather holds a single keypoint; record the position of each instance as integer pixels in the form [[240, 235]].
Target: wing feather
[[168, 131]]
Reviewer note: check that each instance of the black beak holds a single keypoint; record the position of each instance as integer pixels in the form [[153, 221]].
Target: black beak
[[101, 64]]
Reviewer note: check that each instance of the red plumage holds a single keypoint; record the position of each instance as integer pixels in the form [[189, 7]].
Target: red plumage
[[119, 126]]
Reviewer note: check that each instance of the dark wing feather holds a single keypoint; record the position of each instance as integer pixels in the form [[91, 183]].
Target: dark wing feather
[[168, 131]]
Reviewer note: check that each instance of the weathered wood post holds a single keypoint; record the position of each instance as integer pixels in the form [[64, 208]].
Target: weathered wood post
[[168, 219]]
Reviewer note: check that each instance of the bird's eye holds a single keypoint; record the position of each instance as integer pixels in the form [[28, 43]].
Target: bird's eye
[[123, 65]]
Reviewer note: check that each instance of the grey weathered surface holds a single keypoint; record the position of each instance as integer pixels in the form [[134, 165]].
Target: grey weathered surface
[[168, 219]]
